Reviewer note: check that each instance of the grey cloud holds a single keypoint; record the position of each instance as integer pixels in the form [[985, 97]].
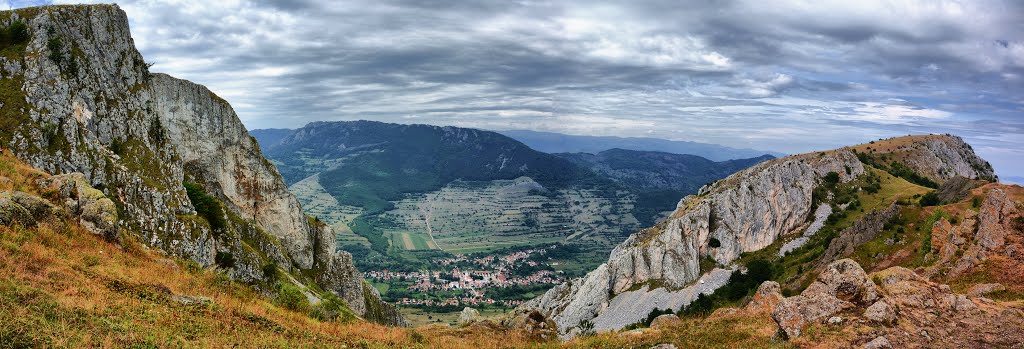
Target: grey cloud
[[787, 76]]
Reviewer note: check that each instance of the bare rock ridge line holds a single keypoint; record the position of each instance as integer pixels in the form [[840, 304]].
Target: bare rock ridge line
[[744, 212], [83, 101]]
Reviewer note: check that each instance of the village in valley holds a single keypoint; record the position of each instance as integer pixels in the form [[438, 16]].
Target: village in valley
[[470, 280]]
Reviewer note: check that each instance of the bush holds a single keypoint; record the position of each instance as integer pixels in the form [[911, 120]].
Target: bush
[[930, 199], [224, 260], [291, 297], [831, 178], [270, 271], [206, 205]]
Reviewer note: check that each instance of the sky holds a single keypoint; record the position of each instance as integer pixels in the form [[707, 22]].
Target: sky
[[789, 76]]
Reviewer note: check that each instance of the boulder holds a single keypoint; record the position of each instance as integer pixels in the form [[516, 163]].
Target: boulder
[[11, 212], [469, 316], [846, 280], [795, 313], [96, 212], [879, 342], [534, 324], [880, 312], [842, 285], [984, 289], [665, 320], [768, 295]]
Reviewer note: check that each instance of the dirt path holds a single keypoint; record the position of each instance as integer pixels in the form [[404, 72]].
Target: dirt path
[[426, 219]]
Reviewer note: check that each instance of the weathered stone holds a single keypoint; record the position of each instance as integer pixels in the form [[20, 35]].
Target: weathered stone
[[835, 320], [664, 346], [768, 295], [846, 280], [842, 285], [665, 320], [468, 316], [795, 313], [36, 206], [984, 289], [879, 342], [880, 312], [534, 324], [11, 212]]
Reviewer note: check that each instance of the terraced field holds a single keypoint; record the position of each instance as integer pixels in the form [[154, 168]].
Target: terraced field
[[466, 217], [318, 203]]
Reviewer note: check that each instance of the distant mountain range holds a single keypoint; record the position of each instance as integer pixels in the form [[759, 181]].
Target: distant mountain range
[[550, 142], [659, 179]]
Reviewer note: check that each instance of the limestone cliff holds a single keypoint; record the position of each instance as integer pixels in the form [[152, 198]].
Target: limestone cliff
[[78, 97], [745, 212]]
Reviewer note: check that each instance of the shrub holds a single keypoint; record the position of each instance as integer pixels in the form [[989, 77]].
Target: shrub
[[270, 271], [930, 199], [586, 328], [291, 297], [224, 260], [831, 178], [206, 205]]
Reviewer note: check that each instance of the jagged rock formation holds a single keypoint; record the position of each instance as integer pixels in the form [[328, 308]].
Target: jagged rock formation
[[842, 285], [79, 98], [745, 212], [980, 234], [900, 309]]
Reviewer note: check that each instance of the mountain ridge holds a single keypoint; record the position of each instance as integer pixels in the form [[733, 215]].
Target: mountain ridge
[[551, 142]]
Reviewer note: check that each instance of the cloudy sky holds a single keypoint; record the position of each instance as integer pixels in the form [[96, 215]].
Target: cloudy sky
[[789, 76]]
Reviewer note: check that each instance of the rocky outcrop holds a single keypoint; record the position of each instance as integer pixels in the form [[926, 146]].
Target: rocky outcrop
[[980, 234], [842, 285], [863, 230], [766, 298], [902, 311], [747, 212], [97, 212], [215, 147], [79, 98], [938, 157]]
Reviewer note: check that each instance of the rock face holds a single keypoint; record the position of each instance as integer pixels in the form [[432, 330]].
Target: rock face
[[742, 213], [842, 285], [980, 234], [81, 99], [863, 230]]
